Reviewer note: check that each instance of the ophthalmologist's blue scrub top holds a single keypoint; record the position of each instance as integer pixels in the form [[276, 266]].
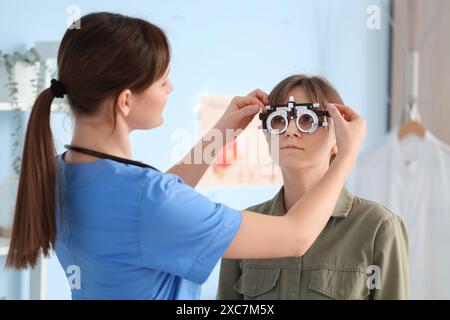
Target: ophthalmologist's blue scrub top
[[135, 233]]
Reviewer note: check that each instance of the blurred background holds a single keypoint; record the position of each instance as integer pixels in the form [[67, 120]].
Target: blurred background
[[387, 59]]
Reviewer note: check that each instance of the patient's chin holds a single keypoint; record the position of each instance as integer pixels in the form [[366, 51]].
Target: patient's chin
[[293, 163]]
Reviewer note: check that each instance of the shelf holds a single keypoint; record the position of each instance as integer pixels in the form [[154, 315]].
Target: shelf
[[6, 106], [4, 246], [56, 107]]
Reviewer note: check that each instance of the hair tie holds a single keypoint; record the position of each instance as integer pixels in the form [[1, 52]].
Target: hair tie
[[57, 88]]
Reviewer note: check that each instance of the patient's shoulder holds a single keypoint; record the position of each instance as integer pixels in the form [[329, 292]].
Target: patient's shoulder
[[265, 207], [372, 212], [273, 206]]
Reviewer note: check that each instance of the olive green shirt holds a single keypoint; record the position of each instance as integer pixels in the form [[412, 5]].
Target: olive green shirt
[[362, 253]]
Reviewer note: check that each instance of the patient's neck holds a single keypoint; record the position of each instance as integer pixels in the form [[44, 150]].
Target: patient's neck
[[297, 182]]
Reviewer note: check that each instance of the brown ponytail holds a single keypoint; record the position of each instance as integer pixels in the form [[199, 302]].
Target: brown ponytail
[[34, 225], [108, 54]]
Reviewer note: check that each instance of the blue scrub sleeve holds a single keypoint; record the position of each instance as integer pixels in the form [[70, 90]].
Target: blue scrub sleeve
[[181, 231]]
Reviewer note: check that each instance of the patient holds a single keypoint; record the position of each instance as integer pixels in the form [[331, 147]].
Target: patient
[[363, 251]]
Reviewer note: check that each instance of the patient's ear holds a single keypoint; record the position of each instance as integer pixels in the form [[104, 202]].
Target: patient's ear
[[333, 153]]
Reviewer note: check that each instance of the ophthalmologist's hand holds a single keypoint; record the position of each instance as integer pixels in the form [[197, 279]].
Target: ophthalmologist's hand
[[241, 111], [350, 129]]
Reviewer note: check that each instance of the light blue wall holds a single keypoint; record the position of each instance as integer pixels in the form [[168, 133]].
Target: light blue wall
[[226, 47]]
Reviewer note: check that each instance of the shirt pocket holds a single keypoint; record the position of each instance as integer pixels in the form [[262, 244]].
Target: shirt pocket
[[338, 283], [258, 283]]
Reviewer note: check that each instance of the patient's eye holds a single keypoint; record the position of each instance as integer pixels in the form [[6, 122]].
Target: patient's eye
[[278, 122], [306, 121]]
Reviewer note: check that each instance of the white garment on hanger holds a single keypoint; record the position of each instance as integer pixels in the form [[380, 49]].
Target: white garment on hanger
[[412, 178]]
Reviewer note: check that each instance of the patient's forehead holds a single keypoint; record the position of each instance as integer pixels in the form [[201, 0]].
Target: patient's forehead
[[299, 95]]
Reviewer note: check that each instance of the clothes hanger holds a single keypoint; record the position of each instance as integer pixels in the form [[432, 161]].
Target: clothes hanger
[[411, 128], [411, 120], [412, 124]]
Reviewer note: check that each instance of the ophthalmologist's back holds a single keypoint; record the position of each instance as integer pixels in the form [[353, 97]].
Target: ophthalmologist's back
[[126, 232]]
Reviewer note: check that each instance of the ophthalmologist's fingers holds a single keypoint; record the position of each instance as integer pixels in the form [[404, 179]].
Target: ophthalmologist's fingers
[[261, 95], [347, 113], [350, 128], [241, 102]]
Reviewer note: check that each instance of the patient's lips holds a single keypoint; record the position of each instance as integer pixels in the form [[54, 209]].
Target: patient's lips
[[292, 147]]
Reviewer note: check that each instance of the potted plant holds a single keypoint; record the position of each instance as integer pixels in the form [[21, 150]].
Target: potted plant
[[22, 72]]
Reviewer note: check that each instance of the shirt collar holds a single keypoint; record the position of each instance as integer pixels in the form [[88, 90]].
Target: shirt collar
[[343, 205]]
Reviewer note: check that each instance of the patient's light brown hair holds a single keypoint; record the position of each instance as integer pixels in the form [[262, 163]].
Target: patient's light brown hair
[[316, 88]]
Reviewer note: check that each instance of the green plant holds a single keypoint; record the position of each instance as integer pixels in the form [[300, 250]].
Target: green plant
[[30, 58]]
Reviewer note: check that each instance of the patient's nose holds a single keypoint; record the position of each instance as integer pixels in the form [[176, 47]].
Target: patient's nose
[[292, 130]]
